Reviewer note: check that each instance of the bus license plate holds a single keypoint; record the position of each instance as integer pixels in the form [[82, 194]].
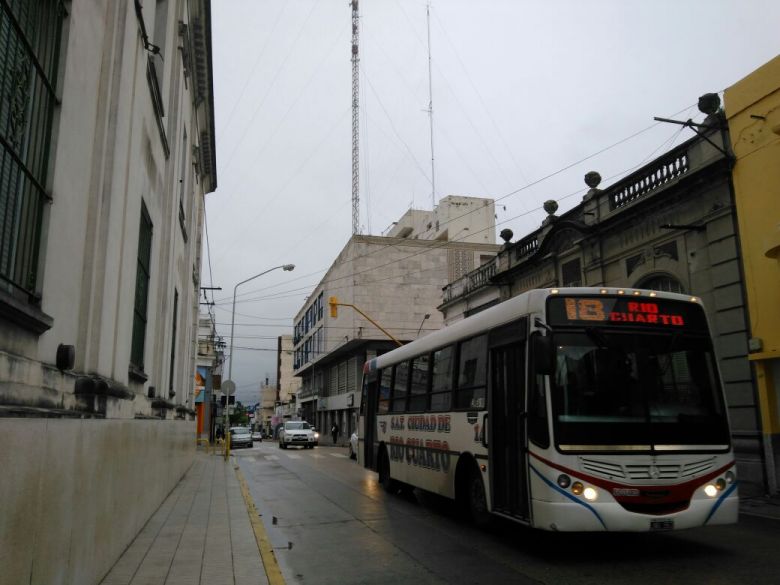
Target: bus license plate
[[665, 524]]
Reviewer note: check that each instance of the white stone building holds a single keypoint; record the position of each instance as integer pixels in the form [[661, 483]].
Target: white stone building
[[397, 283], [107, 151]]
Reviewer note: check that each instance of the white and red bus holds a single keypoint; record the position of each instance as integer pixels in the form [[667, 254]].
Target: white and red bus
[[571, 409]]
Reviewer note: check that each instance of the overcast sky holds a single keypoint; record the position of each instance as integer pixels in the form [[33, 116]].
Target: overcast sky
[[521, 90]]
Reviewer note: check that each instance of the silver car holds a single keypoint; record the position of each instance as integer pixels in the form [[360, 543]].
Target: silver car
[[298, 432], [240, 437]]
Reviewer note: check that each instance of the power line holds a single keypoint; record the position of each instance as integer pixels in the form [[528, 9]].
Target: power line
[[261, 103], [423, 251]]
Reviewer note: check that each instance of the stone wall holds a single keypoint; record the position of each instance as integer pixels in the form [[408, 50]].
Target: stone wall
[[75, 493]]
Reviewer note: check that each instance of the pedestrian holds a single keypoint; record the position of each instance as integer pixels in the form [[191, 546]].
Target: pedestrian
[[334, 430]]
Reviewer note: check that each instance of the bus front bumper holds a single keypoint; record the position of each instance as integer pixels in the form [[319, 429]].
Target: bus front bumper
[[612, 517]]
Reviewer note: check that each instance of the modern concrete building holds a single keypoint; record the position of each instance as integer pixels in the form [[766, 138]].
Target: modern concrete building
[[753, 111], [455, 218], [671, 225], [106, 153], [388, 287]]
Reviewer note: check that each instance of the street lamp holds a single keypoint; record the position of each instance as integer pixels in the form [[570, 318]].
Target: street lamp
[[286, 267]]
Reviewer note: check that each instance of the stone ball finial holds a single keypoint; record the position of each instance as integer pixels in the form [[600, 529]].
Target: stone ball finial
[[550, 206], [592, 179], [709, 103], [506, 235]]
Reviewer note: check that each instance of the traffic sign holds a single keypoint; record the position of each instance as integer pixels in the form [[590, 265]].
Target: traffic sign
[[228, 387]]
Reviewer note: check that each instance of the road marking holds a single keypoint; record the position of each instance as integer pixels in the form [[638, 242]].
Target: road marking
[[338, 455], [272, 570], [291, 456], [272, 457], [317, 456]]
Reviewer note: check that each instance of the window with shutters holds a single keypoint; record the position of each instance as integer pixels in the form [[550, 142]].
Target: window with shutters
[[141, 290], [30, 34], [172, 372]]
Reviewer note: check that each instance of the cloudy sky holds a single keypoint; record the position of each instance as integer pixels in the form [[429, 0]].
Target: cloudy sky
[[528, 96]]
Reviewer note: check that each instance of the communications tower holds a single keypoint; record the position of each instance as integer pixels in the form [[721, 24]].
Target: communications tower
[[355, 124]]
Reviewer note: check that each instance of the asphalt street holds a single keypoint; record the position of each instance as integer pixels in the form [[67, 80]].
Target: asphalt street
[[330, 523]]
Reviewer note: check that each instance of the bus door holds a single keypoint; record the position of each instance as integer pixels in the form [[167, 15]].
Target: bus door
[[507, 420], [367, 430]]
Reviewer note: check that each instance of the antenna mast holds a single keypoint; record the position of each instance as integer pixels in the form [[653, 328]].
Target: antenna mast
[[355, 123], [430, 106]]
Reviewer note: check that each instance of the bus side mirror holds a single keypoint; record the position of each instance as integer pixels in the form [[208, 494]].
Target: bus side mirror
[[544, 354]]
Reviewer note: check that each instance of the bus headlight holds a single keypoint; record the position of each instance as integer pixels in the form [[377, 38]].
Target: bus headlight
[[590, 494], [730, 477], [710, 490], [720, 485], [577, 488], [564, 480]]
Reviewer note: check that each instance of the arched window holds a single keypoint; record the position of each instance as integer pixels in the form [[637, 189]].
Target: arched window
[[661, 283]]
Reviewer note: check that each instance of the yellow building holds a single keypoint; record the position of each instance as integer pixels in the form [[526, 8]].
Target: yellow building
[[753, 111]]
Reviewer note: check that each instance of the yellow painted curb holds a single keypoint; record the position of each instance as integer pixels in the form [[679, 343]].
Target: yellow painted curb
[[272, 570]]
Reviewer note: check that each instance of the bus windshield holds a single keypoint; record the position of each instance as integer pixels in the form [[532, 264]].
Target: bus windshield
[[619, 390]]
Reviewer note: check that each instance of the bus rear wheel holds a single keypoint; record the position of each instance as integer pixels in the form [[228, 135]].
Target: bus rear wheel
[[390, 485]]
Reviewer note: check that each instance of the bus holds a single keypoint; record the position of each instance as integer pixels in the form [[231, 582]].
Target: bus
[[568, 409]]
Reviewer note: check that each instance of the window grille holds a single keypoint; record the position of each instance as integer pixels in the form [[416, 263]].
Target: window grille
[[30, 35]]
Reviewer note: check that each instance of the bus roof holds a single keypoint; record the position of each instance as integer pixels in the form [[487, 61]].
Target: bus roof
[[528, 303]]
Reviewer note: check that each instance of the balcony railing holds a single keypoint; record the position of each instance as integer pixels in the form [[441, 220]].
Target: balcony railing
[[470, 282], [637, 185]]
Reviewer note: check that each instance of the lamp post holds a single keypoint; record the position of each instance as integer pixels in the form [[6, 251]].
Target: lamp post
[[286, 267]]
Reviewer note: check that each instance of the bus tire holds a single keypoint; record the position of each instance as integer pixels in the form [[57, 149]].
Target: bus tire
[[388, 483], [477, 502]]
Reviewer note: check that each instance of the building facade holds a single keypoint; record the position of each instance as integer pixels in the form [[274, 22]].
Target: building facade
[[208, 377], [753, 111], [388, 289], [671, 226], [106, 153]]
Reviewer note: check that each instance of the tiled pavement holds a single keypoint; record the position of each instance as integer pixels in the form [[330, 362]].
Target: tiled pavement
[[200, 535]]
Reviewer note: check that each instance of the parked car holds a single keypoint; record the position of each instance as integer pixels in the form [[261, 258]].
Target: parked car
[[240, 437], [297, 432], [353, 445], [257, 436]]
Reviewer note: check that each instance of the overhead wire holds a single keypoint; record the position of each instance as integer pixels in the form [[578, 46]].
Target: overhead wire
[[294, 175], [511, 193], [251, 75], [261, 103], [329, 283]]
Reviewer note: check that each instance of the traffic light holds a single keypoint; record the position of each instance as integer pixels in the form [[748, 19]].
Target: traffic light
[[334, 307]]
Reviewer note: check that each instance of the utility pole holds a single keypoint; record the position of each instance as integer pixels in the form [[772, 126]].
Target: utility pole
[[355, 123]]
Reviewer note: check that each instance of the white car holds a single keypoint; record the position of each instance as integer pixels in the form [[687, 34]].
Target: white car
[[353, 445], [298, 432]]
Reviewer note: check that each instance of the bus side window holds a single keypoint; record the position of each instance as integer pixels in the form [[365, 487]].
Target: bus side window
[[418, 399], [400, 387], [383, 406], [441, 379], [472, 375]]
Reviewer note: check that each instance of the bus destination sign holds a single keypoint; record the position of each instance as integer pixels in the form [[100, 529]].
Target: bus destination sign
[[625, 311]]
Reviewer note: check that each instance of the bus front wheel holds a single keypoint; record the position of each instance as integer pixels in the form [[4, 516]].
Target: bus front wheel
[[477, 502]]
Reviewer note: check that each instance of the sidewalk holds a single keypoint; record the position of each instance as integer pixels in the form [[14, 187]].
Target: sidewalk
[[200, 535]]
